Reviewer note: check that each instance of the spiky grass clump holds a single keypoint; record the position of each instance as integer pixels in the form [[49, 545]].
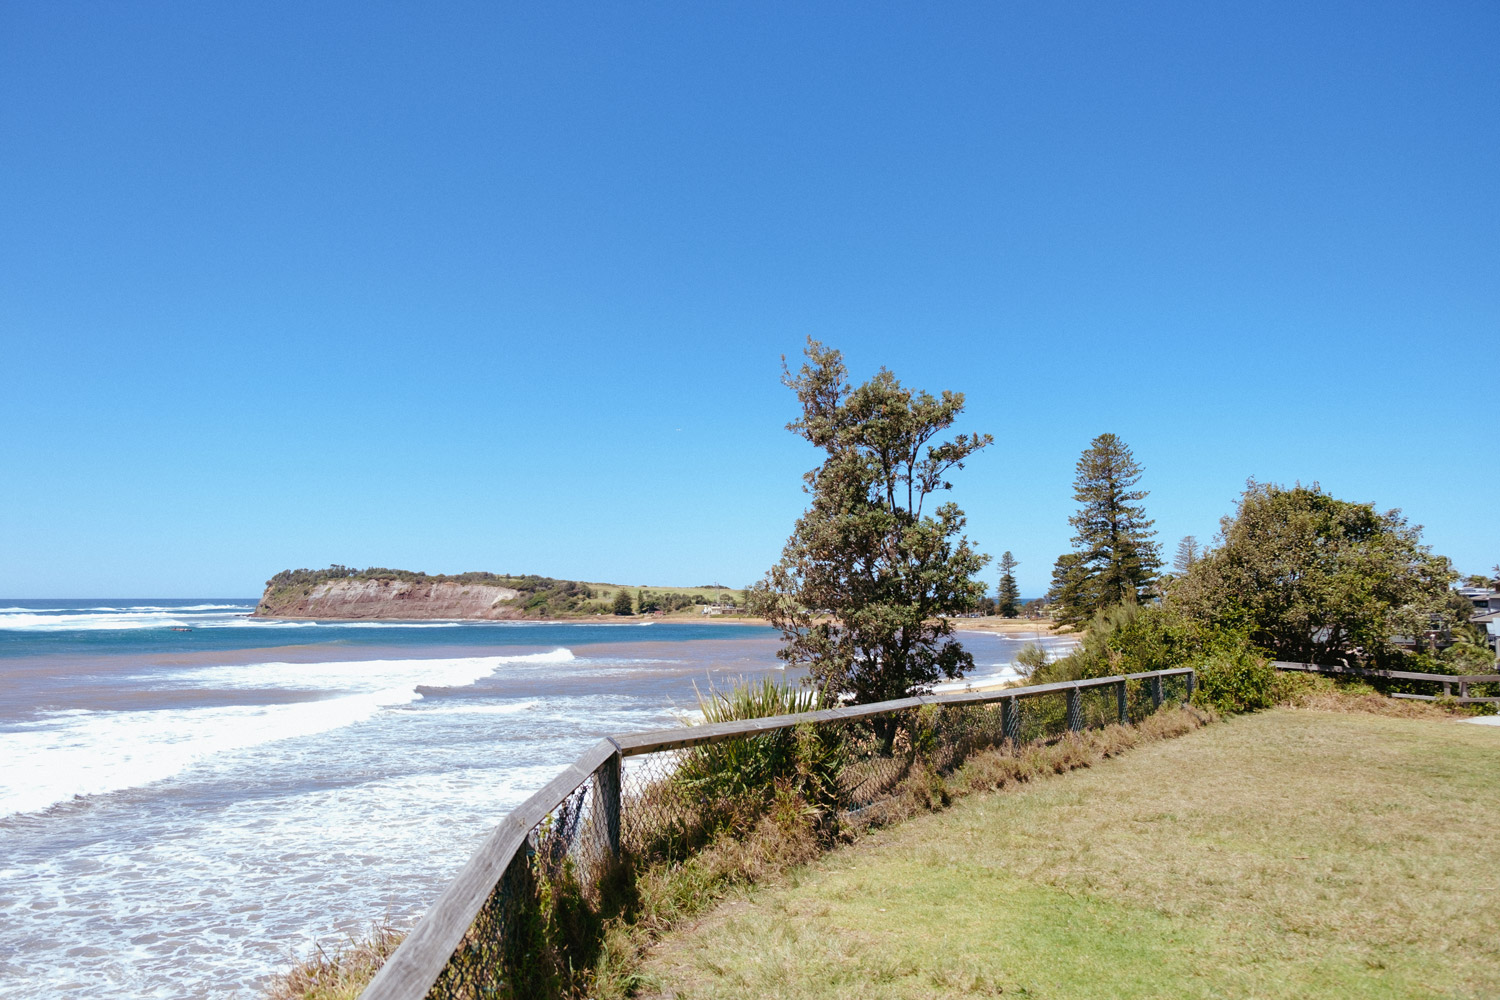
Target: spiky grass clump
[[339, 973], [808, 758]]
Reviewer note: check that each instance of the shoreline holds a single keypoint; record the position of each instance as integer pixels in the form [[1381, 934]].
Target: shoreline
[[992, 625], [589, 620]]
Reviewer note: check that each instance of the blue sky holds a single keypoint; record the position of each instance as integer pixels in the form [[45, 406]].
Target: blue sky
[[454, 287]]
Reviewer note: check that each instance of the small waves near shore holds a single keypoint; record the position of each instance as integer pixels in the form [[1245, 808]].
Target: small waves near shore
[[186, 811]]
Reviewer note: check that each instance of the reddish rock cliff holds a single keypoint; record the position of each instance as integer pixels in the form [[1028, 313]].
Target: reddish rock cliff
[[392, 599]]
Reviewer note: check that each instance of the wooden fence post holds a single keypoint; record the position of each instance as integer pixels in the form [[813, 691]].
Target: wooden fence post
[[1192, 676], [1157, 695], [1010, 719], [607, 800], [1075, 710], [1124, 699]]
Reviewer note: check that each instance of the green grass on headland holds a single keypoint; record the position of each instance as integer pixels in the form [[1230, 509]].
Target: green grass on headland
[[1284, 854], [540, 597]]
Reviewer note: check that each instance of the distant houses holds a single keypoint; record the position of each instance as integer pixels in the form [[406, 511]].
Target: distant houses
[[1486, 611]]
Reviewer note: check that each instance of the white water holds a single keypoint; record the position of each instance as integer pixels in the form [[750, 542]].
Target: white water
[[76, 753], [233, 815]]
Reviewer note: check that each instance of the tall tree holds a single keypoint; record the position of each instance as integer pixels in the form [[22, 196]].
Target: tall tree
[[869, 573], [1316, 579], [621, 605], [1187, 554], [1115, 558], [1008, 595]]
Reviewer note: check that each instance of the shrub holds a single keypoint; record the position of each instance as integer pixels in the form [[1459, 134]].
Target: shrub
[[805, 760], [1030, 659], [1233, 675], [1235, 681]]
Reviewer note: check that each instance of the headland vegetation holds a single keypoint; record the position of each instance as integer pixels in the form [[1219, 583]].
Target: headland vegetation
[[342, 592]]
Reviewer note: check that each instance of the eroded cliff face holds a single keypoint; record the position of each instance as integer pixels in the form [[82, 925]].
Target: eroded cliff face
[[391, 599]]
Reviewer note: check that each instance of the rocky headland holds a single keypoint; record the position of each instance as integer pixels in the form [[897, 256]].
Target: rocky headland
[[392, 598]]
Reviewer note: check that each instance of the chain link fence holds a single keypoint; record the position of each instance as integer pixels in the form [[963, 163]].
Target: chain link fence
[[534, 899]]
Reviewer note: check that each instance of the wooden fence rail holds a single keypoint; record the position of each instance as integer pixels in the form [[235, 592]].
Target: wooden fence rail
[[1446, 680], [419, 962]]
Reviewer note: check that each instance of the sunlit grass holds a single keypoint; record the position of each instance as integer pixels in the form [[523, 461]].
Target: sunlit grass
[[1285, 854]]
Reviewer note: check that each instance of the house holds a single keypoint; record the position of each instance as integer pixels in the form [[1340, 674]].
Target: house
[[1486, 611]]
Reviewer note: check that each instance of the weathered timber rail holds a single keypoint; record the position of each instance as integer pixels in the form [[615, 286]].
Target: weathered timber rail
[[1446, 680], [465, 946]]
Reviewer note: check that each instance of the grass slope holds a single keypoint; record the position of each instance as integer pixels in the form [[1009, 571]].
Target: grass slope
[[1285, 854]]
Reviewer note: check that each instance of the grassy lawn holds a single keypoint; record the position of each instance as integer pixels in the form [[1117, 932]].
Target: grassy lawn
[[1286, 854]]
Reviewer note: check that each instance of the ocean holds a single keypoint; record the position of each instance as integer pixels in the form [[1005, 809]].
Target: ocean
[[190, 798]]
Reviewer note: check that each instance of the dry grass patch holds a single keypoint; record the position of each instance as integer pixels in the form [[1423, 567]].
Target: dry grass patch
[[1288, 854], [1326, 694], [337, 974]]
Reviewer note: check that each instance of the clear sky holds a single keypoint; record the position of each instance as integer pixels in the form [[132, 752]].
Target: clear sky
[[502, 286]]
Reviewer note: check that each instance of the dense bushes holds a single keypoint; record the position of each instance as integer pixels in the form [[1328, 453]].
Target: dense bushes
[[1233, 675], [1233, 682]]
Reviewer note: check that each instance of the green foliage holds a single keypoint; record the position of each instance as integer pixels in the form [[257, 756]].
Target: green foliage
[[1030, 659], [804, 759], [1468, 657], [1233, 676], [621, 604], [1234, 681], [1008, 595], [648, 601], [867, 551], [1114, 559], [1316, 579]]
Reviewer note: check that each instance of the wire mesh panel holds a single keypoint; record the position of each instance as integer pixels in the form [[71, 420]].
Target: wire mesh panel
[[653, 801], [1177, 689], [1098, 706], [565, 857], [492, 958], [1043, 717], [662, 813]]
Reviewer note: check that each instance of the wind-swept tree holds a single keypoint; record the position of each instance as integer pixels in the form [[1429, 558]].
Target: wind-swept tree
[[1115, 558], [872, 569], [1008, 595]]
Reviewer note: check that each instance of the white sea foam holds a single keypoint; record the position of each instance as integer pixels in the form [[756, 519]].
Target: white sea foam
[[89, 621], [67, 754], [507, 708]]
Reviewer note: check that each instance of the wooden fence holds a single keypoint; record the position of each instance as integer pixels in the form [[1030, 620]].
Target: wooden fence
[[589, 795], [1446, 680]]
